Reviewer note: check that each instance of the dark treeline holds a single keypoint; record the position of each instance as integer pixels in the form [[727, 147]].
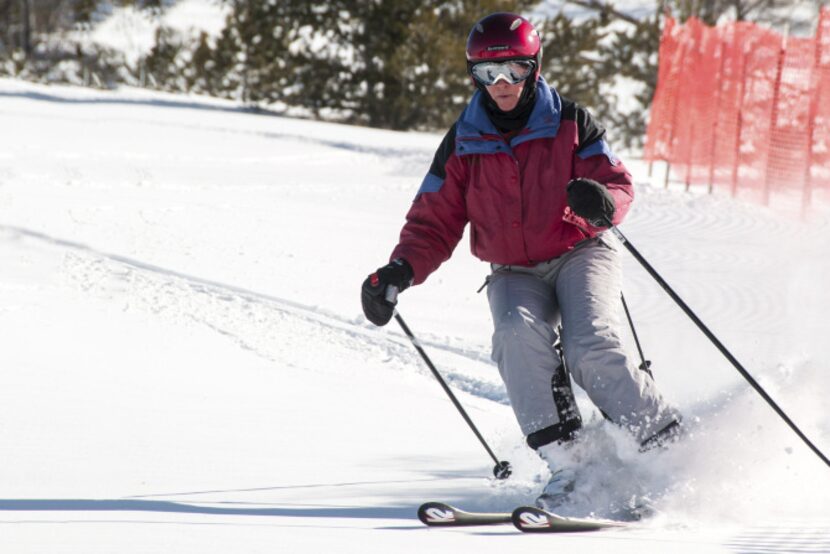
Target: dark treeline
[[390, 64]]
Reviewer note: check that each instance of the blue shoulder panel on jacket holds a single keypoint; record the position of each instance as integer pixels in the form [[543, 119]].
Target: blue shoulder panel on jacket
[[431, 183], [597, 148]]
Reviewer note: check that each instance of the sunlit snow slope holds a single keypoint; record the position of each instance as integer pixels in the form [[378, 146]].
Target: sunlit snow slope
[[184, 364]]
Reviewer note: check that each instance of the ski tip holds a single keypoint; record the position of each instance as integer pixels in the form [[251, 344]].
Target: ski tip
[[437, 513], [530, 519], [533, 520]]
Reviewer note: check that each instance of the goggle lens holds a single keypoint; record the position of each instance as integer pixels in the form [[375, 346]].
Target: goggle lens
[[515, 71]]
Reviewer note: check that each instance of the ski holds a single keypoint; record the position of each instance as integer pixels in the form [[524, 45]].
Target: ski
[[533, 520], [438, 514]]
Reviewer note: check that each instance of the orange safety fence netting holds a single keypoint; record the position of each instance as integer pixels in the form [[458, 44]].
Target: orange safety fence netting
[[740, 107]]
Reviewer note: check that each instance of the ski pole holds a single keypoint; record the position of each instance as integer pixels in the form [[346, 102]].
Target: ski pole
[[502, 469], [645, 365], [718, 344]]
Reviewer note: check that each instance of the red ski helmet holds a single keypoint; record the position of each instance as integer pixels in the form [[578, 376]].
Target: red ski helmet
[[504, 36]]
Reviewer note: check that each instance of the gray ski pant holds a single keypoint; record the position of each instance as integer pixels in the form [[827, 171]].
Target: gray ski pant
[[581, 290]]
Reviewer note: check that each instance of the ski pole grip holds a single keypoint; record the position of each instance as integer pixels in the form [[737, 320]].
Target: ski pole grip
[[392, 294], [607, 221]]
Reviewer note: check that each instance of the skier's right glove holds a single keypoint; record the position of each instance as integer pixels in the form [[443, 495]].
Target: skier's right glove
[[376, 307]]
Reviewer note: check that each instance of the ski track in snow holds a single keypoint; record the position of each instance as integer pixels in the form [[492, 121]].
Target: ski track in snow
[[712, 274], [273, 328], [782, 539]]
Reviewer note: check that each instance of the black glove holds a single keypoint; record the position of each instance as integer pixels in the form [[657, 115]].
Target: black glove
[[591, 201], [377, 308]]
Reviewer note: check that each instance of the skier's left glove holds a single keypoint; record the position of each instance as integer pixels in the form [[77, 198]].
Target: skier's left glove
[[376, 307], [591, 201]]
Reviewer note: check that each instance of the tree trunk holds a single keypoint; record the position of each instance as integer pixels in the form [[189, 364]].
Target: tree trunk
[[26, 27]]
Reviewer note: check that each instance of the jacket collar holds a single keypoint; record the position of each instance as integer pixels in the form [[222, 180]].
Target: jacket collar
[[476, 134]]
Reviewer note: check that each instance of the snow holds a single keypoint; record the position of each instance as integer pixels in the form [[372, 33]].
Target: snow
[[185, 365], [132, 31], [196, 16], [128, 30], [639, 9]]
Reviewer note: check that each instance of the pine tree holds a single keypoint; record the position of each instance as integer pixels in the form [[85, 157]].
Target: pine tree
[[396, 65], [83, 10], [631, 54], [220, 76], [571, 59], [161, 65], [200, 67]]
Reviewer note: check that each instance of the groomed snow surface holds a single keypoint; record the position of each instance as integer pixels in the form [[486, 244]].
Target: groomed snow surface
[[185, 367]]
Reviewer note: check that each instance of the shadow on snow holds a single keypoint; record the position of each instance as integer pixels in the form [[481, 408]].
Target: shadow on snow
[[422, 156], [163, 506]]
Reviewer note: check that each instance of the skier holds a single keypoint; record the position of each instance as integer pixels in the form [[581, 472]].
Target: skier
[[533, 175]]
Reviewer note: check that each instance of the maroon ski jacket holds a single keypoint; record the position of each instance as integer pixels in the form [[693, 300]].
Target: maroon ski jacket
[[512, 192]]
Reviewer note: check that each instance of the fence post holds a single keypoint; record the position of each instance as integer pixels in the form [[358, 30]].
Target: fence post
[[774, 115], [740, 124], [815, 78], [690, 159], [713, 150], [684, 48], [697, 43]]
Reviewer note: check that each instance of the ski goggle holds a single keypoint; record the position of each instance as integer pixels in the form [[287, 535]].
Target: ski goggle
[[515, 71]]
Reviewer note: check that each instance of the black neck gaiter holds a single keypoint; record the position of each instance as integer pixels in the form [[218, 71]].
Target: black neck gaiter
[[516, 118]]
